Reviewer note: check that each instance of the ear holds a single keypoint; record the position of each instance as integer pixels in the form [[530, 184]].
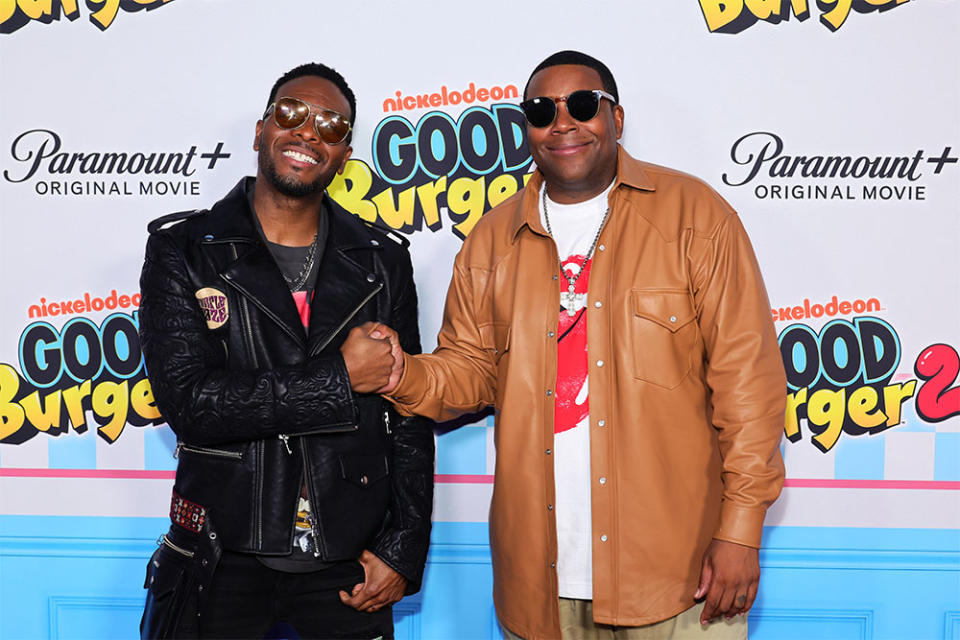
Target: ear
[[256, 135], [343, 163], [618, 120]]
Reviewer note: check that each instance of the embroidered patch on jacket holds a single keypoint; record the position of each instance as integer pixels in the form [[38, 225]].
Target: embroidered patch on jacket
[[214, 305]]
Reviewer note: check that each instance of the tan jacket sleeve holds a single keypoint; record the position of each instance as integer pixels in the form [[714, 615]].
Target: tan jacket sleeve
[[745, 374], [459, 376]]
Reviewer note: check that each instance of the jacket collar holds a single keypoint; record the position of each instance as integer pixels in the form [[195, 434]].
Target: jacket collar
[[342, 279], [630, 174], [230, 219]]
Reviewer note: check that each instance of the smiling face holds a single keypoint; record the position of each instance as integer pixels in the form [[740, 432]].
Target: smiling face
[[578, 159], [296, 162]]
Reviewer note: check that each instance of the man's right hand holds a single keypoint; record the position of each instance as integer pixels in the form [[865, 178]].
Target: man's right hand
[[383, 331], [368, 353]]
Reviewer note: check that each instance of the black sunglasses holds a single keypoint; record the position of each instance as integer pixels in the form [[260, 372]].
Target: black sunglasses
[[582, 105]]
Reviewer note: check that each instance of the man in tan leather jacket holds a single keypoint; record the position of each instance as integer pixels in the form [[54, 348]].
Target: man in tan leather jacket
[[686, 384]]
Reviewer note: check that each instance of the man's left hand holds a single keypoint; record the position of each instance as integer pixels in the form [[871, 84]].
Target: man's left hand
[[728, 579], [382, 586]]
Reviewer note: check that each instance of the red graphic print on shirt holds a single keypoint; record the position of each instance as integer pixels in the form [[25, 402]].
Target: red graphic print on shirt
[[570, 407], [302, 300]]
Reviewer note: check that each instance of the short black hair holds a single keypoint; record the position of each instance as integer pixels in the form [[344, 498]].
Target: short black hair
[[320, 71], [582, 59]]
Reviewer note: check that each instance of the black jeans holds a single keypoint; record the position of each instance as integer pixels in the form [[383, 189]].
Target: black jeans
[[250, 600]]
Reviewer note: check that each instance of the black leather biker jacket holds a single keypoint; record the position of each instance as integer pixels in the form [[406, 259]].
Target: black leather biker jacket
[[259, 406]]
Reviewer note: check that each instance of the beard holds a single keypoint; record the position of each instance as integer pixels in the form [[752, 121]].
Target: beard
[[289, 186]]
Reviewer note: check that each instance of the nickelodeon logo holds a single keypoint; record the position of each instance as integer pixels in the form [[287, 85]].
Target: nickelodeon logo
[[17, 13], [446, 97], [733, 16]]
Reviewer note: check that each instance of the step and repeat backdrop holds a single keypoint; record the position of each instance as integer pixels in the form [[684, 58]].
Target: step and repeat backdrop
[[832, 127]]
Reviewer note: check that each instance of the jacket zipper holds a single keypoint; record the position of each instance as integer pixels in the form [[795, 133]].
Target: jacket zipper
[[259, 509], [311, 516], [349, 317], [245, 317], [236, 455], [179, 550], [251, 347], [285, 437], [386, 420], [312, 519]]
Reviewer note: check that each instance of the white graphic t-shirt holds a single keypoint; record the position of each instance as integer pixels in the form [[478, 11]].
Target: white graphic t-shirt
[[574, 228]]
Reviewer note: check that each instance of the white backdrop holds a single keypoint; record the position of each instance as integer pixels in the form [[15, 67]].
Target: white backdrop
[[880, 93]]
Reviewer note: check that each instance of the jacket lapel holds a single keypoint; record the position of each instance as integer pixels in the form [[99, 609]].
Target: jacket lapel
[[347, 279], [252, 272], [256, 276]]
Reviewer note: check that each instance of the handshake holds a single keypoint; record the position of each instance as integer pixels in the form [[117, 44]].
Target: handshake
[[373, 357]]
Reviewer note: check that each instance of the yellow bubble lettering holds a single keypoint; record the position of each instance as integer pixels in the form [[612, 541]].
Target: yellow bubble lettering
[[501, 188], [103, 17], [110, 400], [396, 215], [70, 9], [777, 10], [893, 398], [43, 418], [11, 413], [38, 9], [834, 18], [720, 13], [7, 9], [427, 194], [861, 407], [763, 9], [349, 188], [826, 409], [791, 427], [35, 9], [73, 399], [466, 197], [800, 9], [141, 399]]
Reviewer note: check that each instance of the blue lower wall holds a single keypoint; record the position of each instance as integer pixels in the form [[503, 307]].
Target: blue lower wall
[[72, 578]]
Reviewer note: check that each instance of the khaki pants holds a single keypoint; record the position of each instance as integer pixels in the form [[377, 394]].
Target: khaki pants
[[576, 622]]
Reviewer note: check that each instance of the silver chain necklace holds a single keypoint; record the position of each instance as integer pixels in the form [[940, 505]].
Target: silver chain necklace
[[297, 282], [569, 300]]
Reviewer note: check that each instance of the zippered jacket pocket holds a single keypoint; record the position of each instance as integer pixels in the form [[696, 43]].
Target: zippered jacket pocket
[[206, 451]]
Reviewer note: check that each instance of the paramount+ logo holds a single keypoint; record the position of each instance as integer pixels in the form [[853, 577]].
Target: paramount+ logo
[[733, 16], [15, 14]]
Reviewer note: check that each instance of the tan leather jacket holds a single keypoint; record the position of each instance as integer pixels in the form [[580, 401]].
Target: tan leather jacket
[[687, 393]]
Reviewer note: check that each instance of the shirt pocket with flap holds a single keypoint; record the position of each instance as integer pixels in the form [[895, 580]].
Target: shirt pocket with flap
[[663, 334], [495, 340]]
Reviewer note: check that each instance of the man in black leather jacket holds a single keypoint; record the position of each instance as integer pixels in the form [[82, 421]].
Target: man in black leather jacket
[[301, 499]]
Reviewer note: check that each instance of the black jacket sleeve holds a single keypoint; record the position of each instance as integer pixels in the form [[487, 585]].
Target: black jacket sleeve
[[402, 542], [203, 401]]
